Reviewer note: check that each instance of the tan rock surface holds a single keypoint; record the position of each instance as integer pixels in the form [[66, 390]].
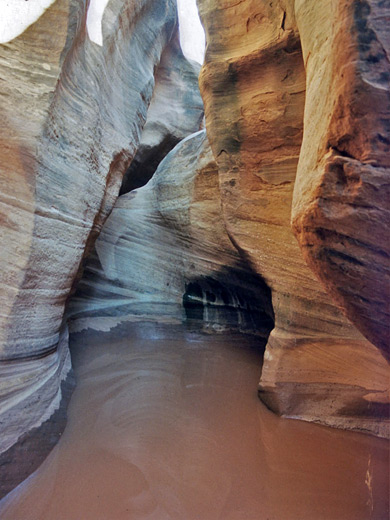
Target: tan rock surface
[[253, 84]]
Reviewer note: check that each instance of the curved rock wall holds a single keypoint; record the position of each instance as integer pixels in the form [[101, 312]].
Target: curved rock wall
[[30, 66], [71, 118], [176, 111], [297, 113], [341, 198], [165, 245], [258, 114]]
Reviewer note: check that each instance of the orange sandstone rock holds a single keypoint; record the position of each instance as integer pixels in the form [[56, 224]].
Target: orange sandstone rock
[[341, 214], [264, 99]]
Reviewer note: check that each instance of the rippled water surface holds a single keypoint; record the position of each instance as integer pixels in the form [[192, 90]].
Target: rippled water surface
[[166, 424]]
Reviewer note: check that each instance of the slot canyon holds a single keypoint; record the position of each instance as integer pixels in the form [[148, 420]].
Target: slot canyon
[[195, 276]]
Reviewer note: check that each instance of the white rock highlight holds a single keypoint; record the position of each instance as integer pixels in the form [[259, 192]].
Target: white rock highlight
[[192, 38], [18, 15], [94, 20]]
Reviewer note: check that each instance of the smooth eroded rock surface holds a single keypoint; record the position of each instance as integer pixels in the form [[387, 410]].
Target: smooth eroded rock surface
[[278, 218], [71, 118], [176, 111], [341, 212], [164, 252]]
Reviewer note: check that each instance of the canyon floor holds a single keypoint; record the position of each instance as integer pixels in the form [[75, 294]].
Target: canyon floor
[[165, 423]]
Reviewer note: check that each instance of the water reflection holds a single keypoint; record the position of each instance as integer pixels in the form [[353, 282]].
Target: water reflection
[[166, 424]]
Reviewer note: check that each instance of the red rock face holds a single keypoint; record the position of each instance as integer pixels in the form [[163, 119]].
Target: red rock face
[[290, 95], [341, 200]]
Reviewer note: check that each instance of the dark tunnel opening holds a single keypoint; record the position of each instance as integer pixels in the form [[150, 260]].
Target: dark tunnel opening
[[232, 299]]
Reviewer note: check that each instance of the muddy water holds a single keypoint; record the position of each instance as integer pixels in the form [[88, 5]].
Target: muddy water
[[166, 424]]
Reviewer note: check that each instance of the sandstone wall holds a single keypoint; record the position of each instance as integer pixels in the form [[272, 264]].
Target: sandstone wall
[[341, 197], [278, 75], [164, 254], [71, 118], [297, 113], [175, 112]]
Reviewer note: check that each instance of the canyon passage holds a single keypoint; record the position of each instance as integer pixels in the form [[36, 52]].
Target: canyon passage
[[195, 246]]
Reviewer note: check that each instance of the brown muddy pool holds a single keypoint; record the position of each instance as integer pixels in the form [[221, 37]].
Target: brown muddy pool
[[166, 424]]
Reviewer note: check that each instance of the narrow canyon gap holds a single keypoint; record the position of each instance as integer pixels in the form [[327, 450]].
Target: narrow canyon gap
[[198, 263]]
